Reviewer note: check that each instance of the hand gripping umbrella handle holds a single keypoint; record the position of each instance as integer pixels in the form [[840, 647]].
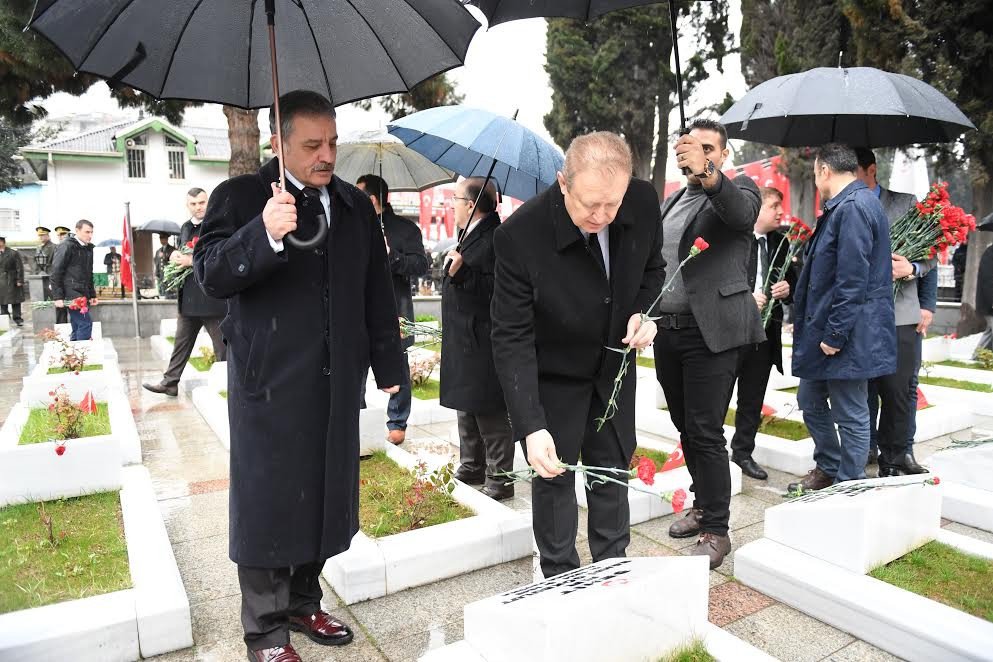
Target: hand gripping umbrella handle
[[313, 242]]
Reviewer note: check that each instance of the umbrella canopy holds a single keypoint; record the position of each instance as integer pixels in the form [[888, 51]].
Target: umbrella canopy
[[161, 226], [109, 242], [466, 140], [986, 223], [218, 50], [859, 106], [500, 11], [379, 153]]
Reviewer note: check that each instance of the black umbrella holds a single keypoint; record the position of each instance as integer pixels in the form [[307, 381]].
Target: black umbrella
[[858, 106], [223, 51], [161, 226], [500, 11]]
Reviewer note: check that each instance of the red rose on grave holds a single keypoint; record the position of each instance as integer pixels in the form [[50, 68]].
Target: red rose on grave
[[646, 470], [678, 500], [700, 244], [935, 481], [60, 449]]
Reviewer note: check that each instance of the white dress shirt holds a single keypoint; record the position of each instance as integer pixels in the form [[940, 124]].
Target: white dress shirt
[[759, 278]]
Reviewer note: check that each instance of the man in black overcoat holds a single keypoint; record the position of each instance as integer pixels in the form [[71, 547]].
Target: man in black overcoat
[[769, 252], [195, 310], [705, 318], [469, 381], [575, 267], [405, 253], [302, 326]]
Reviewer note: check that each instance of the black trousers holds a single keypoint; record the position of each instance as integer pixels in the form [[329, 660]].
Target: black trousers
[[15, 314], [269, 596], [187, 329], [554, 509], [894, 404], [697, 385], [486, 445], [61, 315], [754, 368]]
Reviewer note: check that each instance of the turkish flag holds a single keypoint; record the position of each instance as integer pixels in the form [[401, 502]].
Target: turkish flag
[[127, 278], [427, 209], [88, 404], [675, 460], [922, 402], [768, 411]]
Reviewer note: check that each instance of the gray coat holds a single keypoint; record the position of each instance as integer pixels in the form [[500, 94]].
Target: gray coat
[[11, 277], [717, 280], [907, 304]]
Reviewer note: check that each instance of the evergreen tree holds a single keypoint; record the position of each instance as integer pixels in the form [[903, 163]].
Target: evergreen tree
[[435, 91]]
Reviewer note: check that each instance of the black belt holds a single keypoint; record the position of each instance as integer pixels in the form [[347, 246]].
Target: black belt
[[676, 321]]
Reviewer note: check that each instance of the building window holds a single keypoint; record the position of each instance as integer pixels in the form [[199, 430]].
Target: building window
[[10, 221], [136, 157], [177, 163]]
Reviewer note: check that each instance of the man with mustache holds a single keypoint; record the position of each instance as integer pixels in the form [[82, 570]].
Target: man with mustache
[[302, 327]]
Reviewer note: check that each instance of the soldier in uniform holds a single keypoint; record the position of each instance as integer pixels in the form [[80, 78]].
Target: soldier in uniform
[[43, 259], [61, 314]]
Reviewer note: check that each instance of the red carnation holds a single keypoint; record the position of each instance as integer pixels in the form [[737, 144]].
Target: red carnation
[[700, 244], [646, 470], [935, 481], [60, 449], [678, 500]]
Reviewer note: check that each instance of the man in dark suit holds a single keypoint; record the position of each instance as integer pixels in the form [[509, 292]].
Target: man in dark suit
[[469, 381], [709, 314], [72, 277], [302, 328], [405, 252], [888, 393], [769, 253], [984, 299], [575, 267], [844, 332], [196, 310]]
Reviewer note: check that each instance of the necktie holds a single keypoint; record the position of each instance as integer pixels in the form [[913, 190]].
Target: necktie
[[593, 245], [314, 194], [764, 257]]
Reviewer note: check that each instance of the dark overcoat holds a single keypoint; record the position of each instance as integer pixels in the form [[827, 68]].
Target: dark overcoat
[[11, 277], [779, 248], [407, 260], [984, 286], [192, 300], [301, 328], [468, 376], [72, 271], [844, 297], [554, 313], [717, 280]]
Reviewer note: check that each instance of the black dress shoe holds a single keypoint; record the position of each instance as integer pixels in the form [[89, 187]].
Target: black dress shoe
[[468, 477], [873, 456], [165, 389], [501, 493], [911, 466], [890, 470], [750, 468]]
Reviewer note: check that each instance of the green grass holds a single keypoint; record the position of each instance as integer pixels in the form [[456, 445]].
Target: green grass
[[946, 575], [956, 383], [656, 456], [793, 389], [429, 390], [91, 559], [200, 363], [383, 489], [224, 394], [777, 427], [40, 423], [645, 362], [86, 368], [693, 652], [963, 364], [171, 339], [425, 318]]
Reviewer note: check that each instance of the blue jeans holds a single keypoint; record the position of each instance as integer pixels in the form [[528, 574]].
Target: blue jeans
[[844, 458], [82, 325], [398, 409]]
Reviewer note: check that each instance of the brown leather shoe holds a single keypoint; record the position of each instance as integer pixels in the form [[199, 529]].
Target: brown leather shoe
[[813, 481], [277, 654], [396, 437], [322, 628], [714, 546], [688, 525]]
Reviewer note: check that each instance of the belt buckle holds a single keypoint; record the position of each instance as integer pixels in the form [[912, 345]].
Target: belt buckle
[[675, 322]]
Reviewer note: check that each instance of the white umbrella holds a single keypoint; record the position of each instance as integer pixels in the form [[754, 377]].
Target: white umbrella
[[376, 152]]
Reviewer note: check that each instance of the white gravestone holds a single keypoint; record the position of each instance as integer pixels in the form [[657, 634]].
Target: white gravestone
[[860, 530], [970, 466], [641, 608]]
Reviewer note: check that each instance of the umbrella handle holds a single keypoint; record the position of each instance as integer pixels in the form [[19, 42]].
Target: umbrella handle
[[685, 132], [313, 242]]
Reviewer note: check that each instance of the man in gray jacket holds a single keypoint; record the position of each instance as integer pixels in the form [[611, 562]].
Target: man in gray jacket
[[896, 411]]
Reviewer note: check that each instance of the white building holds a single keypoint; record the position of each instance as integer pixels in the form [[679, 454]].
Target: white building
[[149, 163]]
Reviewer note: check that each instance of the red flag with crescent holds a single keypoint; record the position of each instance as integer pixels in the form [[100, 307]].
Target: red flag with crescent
[[675, 459]]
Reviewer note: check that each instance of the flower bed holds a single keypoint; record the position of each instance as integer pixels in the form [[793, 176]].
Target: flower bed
[[35, 471], [429, 389], [62, 371], [970, 365], [783, 428], [83, 555], [150, 618], [373, 568], [948, 382], [39, 425]]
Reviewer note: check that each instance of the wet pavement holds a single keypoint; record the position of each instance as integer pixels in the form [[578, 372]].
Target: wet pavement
[[189, 468]]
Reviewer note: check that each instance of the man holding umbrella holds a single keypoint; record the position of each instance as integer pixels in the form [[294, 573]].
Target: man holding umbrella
[[575, 267], [302, 327]]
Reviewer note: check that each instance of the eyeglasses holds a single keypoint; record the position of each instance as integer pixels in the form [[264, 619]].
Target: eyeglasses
[[455, 197]]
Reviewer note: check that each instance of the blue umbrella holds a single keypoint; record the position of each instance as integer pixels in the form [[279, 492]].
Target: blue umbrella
[[467, 140], [109, 242]]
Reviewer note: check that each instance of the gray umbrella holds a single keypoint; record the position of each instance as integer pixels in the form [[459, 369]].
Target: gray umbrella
[[161, 226], [986, 223], [858, 106], [376, 152]]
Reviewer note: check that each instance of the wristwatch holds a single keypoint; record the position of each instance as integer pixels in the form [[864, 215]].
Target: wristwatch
[[708, 170]]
